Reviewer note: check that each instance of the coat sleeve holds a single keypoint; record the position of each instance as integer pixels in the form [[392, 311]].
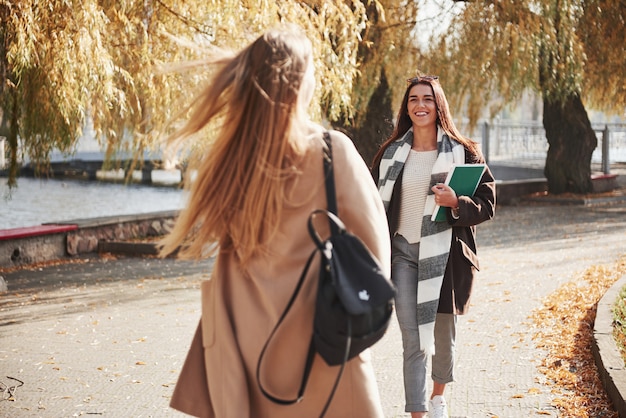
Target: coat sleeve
[[358, 202]]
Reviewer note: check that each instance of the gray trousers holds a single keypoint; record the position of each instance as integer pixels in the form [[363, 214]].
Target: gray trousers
[[404, 261]]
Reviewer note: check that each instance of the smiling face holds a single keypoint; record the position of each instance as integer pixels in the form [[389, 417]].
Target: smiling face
[[421, 106]]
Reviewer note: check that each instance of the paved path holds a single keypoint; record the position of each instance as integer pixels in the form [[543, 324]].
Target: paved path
[[526, 253], [108, 338]]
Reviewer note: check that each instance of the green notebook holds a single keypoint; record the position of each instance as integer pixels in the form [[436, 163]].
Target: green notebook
[[463, 179]]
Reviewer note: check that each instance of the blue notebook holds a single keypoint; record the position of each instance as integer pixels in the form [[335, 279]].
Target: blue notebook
[[463, 179]]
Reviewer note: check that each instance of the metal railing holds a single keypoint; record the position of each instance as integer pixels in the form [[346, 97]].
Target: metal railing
[[526, 143]]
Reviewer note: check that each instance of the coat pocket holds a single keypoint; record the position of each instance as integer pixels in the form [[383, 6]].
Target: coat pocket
[[208, 312]]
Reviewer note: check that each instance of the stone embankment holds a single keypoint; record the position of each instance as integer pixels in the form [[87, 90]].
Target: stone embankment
[[22, 246]]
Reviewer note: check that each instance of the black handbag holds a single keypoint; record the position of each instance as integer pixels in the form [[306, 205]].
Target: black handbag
[[354, 299]]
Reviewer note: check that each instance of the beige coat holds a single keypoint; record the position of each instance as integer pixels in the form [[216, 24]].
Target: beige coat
[[240, 309]]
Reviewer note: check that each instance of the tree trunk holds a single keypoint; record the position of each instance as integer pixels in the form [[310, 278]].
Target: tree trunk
[[378, 122], [12, 140], [571, 142]]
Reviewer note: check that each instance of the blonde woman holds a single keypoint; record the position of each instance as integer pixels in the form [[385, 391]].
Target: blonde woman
[[249, 204]]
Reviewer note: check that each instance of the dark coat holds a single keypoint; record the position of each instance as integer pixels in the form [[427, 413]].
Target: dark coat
[[462, 263]]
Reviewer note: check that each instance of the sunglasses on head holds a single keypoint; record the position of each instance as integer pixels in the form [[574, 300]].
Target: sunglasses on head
[[416, 80]]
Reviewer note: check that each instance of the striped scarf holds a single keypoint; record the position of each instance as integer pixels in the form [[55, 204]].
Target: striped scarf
[[435, 236]]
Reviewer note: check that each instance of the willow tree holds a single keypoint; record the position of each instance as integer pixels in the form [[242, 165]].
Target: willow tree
[[388, 54], [64, 64], [571, 52], [385, 57]]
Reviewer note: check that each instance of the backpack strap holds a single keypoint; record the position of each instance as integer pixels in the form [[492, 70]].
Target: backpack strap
[[310, 356], [331, 203], [329, 176], [334, 228]]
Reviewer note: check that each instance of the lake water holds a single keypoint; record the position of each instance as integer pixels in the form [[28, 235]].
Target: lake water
[[36, 201]]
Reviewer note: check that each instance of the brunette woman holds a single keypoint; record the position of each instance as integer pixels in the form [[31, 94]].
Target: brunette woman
[[433, 263]]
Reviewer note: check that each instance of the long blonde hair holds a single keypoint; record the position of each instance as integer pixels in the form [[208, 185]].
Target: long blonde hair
[[236, 199]]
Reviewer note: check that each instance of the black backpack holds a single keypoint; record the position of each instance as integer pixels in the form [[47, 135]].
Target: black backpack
[[354, 299]]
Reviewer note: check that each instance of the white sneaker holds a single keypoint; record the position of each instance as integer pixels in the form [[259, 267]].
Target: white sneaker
[[438, 407]]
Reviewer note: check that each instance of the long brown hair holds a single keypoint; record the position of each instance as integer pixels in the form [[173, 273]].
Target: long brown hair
[[236, 199], [444, 118]]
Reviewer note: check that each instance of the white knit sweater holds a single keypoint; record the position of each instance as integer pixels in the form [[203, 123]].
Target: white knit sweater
[[415, 183]]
